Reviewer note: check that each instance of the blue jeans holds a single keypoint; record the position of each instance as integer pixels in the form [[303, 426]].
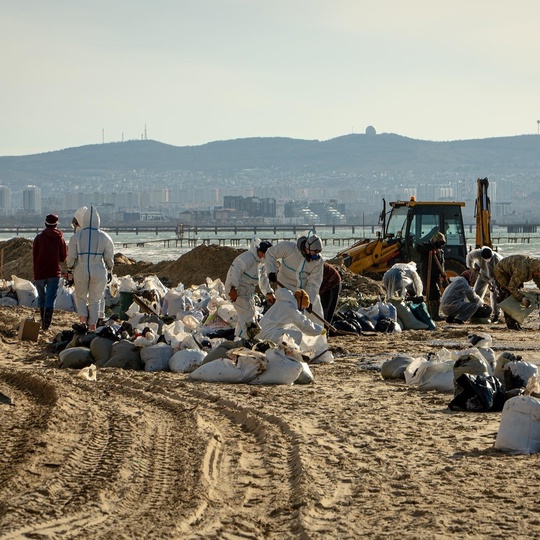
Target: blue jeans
[[47, 289]]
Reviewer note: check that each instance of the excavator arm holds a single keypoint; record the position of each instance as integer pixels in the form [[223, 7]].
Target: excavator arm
[[373, 256], [482, 213]]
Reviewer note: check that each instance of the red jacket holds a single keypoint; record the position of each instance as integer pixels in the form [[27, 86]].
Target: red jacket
[[48, 250]]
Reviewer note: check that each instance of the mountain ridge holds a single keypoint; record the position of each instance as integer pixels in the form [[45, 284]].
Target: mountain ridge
[[352, 153]]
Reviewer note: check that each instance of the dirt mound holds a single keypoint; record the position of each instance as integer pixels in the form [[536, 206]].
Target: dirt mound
[[17, 258]]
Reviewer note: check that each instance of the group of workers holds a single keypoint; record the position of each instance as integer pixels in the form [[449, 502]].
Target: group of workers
[[463, 298], [300, 288]]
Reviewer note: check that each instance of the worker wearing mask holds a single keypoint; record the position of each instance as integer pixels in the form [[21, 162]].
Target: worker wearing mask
[[482, 262], [297, 265], [246, 272]]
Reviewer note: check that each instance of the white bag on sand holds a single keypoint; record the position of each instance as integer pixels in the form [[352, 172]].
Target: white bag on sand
[[156, 357], [186, 361], [64, 298], [243, 367], [279, 369], [519, 313], [519, 430], [26, 291], [430, 375]]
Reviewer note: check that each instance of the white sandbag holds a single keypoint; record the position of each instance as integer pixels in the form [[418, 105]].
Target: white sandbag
[[279, 369], [126, 284], [316, 347], [516, 374], [228, 314], [64, 298], [26, 292], [519, 430], [242, 368], [75, 357], [156, 357], [519, 313], [406, 317], [473, 362], [395, 367], [431, 375], [186, 361], [306, 376], [153, 283], [173, 302]]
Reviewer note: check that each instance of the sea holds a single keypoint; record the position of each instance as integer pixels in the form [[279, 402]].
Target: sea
[[155, 248]]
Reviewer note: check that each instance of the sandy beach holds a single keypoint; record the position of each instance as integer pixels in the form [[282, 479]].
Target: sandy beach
[[156, 455]]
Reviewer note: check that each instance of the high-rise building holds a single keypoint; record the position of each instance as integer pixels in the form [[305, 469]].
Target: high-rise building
[[32, 199], [5, 201]]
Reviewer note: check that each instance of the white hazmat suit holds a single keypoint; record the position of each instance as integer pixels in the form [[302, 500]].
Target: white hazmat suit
[[90, 257], [285, 318], [459, 300], [245, 273], [397, 279], [295, 271]]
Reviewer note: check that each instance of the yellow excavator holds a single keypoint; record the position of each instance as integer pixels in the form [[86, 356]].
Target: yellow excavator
[[411, 222]]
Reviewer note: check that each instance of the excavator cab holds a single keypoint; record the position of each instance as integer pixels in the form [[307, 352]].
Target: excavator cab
[[416, 222], [407, 224]]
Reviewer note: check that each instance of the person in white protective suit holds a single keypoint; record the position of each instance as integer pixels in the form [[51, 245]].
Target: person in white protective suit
[[301, 267], [245, 273], [286, 317], [459, 302], [76, 223], [402, 280], [482, 261], [90, 262]]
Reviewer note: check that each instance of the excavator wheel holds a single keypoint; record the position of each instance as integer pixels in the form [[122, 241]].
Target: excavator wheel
[[454, 268]]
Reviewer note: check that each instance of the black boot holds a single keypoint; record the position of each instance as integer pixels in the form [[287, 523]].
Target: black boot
[[47, 318], [41, 313], [433, 310]]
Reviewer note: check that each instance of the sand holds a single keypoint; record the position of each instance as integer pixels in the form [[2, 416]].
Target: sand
[[155, 455]]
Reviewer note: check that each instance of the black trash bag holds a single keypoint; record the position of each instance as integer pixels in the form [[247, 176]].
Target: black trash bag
[[343, 325], [357, 319], [477, 393], [385, 324]]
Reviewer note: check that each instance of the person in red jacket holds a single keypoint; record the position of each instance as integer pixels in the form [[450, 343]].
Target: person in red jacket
[[48, 251]]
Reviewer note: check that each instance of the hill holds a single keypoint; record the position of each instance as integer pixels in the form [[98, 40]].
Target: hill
[[355, 153]]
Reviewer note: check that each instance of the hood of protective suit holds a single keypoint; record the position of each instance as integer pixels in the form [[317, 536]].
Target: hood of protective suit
[[91, 218], [284, 295], [79, 215]]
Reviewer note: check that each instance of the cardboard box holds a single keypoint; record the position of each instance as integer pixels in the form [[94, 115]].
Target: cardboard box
[[29, 330]]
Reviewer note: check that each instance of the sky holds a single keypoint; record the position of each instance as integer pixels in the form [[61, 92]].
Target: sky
[[189, 72]]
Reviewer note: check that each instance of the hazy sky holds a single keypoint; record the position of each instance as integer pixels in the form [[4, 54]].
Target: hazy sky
[[76, 72]]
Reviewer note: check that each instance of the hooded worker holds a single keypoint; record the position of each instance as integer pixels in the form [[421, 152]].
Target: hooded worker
[[460, 303], [300, 267], [286, 317], [245, 273], [402, 280], [90, 261], [432, 271], [48, 252], [482, 262]]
